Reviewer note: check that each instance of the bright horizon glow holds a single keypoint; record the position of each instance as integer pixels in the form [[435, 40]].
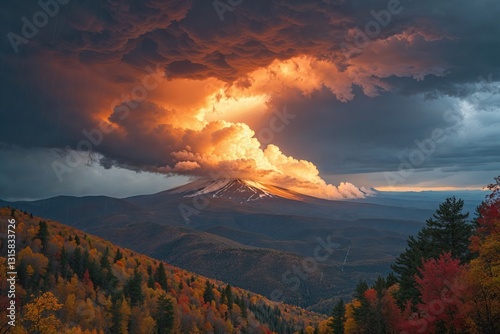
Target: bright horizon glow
[[420, 189]]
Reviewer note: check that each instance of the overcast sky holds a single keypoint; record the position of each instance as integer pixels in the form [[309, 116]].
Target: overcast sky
[[324, 97]]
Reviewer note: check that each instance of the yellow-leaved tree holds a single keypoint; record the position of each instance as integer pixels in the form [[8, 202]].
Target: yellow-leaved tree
[[350, 324], [484, 274], [39, 315]]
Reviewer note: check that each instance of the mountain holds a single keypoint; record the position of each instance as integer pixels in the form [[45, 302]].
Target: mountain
[[235, 189], [252, 235], [74, 282]]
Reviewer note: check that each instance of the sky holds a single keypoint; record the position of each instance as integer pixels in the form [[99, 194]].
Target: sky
[[326, 97]]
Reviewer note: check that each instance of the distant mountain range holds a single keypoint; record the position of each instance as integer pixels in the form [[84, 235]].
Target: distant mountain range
[[256, 236]]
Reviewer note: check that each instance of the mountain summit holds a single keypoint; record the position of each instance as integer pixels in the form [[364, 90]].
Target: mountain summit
[[235, 189]]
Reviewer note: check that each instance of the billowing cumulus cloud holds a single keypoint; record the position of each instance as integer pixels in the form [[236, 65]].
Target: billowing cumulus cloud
[[219, 149]]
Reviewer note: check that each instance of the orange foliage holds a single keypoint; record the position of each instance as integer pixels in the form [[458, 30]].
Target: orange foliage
[[371, 295], [88, 303]]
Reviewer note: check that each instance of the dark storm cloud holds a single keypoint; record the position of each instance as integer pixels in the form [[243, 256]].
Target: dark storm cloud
[[90, 52], [375, 134], [28, 175], [190, 39], [472, 48]]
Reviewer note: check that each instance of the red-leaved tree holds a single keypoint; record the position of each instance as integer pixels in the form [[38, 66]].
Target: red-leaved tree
[[443, 306]]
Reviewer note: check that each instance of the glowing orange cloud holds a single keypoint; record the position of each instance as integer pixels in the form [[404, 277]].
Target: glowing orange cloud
[[230, 150], [204, 122]]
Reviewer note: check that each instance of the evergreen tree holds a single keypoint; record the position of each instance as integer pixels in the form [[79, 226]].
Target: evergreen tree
[[63, 267], [133, 289], [43, 235], [96, 272], [362, 313], [208, 295], [222, 298], [118, 255], [110, 282], [451, 230], [164, 315], [77, 262], [161, 277], [151, 280], [116, 315], [46, 278], [85, 262], [447, 231], [228, 296], [22, 273], [339, 317], [105, 259], [241, 303]]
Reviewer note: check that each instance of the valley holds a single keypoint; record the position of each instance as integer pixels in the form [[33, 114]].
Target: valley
[[253, 236]]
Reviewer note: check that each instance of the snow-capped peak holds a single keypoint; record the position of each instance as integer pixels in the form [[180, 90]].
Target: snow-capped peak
[[235, 189]]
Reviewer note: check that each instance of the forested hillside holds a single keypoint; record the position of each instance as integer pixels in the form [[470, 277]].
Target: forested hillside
[[72, 282], [446, 281]]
